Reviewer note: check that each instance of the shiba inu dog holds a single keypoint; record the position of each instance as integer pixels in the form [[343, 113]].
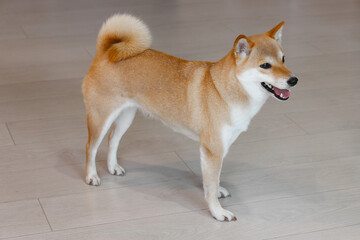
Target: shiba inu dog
[[211, 102]]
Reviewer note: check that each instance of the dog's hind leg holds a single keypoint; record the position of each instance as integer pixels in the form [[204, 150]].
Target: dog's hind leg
[[99, 121], [120, 126]]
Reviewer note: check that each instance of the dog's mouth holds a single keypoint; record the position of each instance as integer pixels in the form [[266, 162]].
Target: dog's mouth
[[281, 94]]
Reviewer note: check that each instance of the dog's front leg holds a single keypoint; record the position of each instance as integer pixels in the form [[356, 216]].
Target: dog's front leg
[[211, 163]]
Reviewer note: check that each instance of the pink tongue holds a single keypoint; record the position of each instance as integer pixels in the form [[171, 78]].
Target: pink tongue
[[284, 92]]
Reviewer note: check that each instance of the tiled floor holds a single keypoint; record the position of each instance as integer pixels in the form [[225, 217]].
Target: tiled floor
[[294, 175]]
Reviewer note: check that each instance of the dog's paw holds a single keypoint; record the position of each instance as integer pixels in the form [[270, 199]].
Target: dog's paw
[[93, 179], [223, 193], [223, 215], [117, 170]]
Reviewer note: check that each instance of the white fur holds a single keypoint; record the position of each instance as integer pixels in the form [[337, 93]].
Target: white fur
[[251, 81], [91, 173], [126, 25], [240, 120], [278, 35], [176, 128], [223, 192], [242, 114], [243, 48], [212, 190], [121, 125], [183, 130], [281, 54]]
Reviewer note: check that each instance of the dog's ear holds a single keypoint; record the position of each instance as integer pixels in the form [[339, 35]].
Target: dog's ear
[[242, 47], [276, 32]]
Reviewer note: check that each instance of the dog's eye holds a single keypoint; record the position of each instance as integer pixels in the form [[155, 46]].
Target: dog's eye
[[265, 65], [283, 59]]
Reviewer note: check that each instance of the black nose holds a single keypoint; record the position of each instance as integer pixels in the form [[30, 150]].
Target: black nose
[[292, 81]]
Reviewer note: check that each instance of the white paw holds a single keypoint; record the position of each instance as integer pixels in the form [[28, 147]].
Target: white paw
[[223, 193], [117, 170], [93, 179], [223, 215]]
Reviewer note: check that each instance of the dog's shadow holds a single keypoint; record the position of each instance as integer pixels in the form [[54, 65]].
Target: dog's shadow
[[172, 181], [166, 180]]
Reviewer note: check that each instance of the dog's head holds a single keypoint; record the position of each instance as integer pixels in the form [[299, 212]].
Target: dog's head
[[260, 64]]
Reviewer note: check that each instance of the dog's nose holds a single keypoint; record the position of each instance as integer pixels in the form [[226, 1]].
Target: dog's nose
[[292, 81]]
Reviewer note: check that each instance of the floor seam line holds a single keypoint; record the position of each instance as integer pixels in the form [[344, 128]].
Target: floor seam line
[[298, 125], [25, 33], [47, 219], [319, 230], [87, 51], [133, 219], [11, 136], [293, 196], [185, 163]]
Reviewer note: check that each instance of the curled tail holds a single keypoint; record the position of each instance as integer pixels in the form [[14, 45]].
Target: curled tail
[[123, 36]]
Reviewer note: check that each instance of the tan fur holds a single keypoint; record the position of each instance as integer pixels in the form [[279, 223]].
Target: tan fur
[[192, 95], [123, 36], [273, 31], [265, 47]]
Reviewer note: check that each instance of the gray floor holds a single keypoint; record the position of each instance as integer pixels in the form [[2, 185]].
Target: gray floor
[[294, 175]]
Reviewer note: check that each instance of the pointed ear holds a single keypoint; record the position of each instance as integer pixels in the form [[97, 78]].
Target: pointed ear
[[242, 47], [276, 32]]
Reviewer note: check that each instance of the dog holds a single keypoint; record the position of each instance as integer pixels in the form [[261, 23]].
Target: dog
[[211, 102]]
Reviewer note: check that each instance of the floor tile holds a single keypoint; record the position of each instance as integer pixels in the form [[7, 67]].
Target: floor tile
[[22, 217], [327, 120], [286, 151], [41, 51], [11, 33], [40, 90], [90, 208], [41, 108], [311, 213], [299, 214], [46, 72], [74, 126], [65, 178], [294, 180], [348, 232]]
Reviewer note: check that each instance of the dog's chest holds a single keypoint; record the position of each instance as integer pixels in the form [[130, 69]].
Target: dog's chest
[[240, 120]]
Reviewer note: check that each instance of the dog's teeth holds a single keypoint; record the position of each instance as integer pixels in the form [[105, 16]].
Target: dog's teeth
[[281, 95]]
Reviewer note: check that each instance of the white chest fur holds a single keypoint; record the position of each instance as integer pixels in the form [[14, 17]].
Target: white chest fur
[[240, 120], [242, 114]]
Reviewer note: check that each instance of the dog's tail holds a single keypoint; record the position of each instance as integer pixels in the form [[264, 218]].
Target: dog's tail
[[123, 36]]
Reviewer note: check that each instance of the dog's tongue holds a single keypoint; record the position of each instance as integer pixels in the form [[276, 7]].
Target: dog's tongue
[[284, 92]]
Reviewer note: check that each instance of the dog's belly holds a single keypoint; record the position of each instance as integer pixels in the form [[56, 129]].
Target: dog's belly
[[175, 127], [183, 130]]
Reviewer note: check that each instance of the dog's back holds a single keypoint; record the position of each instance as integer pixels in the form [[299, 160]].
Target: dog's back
[[125, 68]]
